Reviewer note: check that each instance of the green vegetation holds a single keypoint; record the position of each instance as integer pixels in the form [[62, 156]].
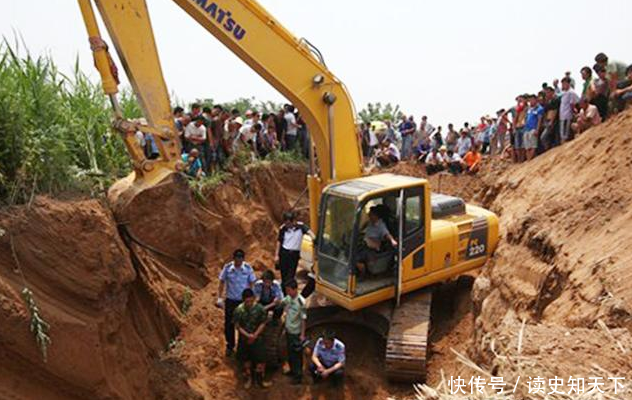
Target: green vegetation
[[293, 156], [200, 186], [379, 112], [38, 326], [54, 129], [187, 300], [245, 103]]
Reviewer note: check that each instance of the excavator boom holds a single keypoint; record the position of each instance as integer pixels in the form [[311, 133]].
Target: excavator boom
[[432, 246], [292, 66]]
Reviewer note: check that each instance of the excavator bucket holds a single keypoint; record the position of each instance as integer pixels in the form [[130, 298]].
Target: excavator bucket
[[124, 191]]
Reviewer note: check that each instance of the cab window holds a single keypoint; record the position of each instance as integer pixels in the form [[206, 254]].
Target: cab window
[[413, 217]]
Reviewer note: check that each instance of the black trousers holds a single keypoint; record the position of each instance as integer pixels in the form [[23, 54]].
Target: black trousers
[[288, 261], [433, 169], [229, 325], [309, 287], [337, 378], [295, 355]]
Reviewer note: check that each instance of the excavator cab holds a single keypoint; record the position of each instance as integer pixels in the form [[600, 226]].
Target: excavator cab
[[354, 270]]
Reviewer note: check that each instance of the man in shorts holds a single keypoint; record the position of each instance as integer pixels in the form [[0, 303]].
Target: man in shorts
[[532, 126], [250, 319]]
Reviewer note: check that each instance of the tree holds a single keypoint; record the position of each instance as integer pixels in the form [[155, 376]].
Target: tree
[[379, 112]]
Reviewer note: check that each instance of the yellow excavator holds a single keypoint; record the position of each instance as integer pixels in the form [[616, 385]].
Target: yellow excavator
[[437, 237]]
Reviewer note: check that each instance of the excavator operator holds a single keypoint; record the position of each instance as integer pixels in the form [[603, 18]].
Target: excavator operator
[[376, 233]]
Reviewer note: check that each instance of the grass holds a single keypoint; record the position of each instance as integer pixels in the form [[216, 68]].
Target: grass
[[200, 186], [55, 131]]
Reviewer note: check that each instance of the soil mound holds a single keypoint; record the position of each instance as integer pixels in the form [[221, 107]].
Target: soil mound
[[563, 266], [113, 289], [106, 326]]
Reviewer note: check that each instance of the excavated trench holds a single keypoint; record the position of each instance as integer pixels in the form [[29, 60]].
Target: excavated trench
[[556, 295], [112, 289]]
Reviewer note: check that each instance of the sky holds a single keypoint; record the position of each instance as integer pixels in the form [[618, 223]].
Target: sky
[[452, 60]]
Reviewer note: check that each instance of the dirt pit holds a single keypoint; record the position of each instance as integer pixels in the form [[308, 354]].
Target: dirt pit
[[554, 300]]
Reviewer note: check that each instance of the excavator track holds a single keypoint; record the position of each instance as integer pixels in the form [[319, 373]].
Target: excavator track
[[407, 338]]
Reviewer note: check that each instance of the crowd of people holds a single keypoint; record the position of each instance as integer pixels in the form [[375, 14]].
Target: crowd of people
[[209, 136], [537, 122]]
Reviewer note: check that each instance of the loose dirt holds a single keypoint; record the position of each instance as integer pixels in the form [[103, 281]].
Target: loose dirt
[[554, 300]]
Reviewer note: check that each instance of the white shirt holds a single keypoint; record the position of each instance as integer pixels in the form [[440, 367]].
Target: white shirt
[[434, 158], [426, 128], [246, 133], [248, 123], [463, 145], [291, 124], [140, 138], [291, 238], [393, 150], [455, 158], [372, 138], [193, 131], [591, 114], [567, 100]]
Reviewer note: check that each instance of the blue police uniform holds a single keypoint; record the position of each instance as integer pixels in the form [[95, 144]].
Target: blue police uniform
[[236, 280]]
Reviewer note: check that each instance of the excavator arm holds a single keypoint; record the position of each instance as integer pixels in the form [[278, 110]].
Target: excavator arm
[[292, 66]]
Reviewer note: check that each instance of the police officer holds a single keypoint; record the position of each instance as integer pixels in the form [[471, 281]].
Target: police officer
[[236, 276], [269, 294], [328, 359], [289, 246]]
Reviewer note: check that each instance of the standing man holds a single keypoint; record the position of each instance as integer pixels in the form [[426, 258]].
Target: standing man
[[425, 128], [288, 249], [407, 131], [586, 73], [550, 134], [292, 127], [601, 91], [328, 359], [615, 70], [463, 143], [567, 74], [390, 132], [236, 276], [195, 135], [519, 117], [250, 320], [295, 319], [451, 138], [532, 126], [498, 138], [567, 102]]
